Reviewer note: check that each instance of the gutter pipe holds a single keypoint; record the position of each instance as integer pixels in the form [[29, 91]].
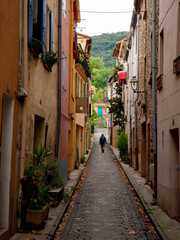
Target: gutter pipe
[[137, 96], [59, 81], [130, 102], [154, 93]]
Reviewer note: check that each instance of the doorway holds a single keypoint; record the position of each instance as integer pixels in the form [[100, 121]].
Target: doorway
[[5, 158], [175, 172], [143, 150]]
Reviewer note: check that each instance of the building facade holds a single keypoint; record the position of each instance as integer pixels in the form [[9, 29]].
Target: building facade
[[9, 28], [168, 118]]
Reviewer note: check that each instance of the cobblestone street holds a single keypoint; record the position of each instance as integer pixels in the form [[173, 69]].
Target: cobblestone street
[[105, 209]]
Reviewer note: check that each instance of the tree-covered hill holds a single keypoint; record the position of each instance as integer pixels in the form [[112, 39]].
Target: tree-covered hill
[[103, 46]]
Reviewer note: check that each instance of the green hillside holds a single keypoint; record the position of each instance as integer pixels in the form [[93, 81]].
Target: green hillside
[[103, 46]]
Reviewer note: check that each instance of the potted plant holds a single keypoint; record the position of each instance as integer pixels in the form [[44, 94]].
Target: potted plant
[[37, 196], [49, 58]]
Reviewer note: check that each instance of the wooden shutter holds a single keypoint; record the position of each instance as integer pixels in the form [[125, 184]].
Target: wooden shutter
[[64, 71], [30, 22], [43, 21], [51, 31]]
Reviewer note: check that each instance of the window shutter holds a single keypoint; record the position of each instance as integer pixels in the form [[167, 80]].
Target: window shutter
[[51, 31], [64, 71], [43, 22], [30, 22]]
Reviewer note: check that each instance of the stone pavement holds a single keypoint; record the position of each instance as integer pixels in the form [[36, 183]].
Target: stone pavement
[[105, 208], [55, 213], [167, 227]]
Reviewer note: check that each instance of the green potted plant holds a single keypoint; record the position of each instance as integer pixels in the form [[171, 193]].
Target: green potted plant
[[49, 58], [37, 196]]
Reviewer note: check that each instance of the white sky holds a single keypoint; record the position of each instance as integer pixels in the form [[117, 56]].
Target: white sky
[[98, 23]]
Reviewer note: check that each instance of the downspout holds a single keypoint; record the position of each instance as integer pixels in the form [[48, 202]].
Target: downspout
[[59, 81], [130, 102], [154, 94], [21, 83], [137, 96]]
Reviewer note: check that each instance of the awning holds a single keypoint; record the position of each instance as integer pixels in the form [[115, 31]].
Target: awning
[[121, 76]]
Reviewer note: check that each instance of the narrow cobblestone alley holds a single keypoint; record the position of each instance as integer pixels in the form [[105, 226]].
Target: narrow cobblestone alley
[[105, 207]]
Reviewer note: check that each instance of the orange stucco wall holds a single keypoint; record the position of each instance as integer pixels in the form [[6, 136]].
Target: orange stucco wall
[[9, 29]]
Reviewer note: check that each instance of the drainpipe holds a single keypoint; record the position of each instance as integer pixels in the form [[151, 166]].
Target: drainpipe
[[154, 94], [59, 81], [137, 96], [130, 102], [21, 83]]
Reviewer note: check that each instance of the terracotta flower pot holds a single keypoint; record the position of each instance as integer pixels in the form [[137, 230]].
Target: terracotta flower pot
[[37, 217]]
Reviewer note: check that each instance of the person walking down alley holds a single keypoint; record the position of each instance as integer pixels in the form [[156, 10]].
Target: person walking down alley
[[102, 141]]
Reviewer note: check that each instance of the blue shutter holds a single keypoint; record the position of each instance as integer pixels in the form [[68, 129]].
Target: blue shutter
[[51, 31], [43, 22], [30, 22]]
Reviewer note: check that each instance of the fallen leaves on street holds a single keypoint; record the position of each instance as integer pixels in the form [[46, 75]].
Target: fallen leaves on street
[[141, 209]]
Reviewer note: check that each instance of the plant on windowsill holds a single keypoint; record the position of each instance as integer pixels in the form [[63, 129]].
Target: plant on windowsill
[[49, 58]]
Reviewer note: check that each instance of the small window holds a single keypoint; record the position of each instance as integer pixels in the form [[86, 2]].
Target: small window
[[161, 52], [82, 88], [64, 71], [77, 85], [85, 90]]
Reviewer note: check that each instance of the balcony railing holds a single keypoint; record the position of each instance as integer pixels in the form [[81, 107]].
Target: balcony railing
[[82, 60], [176, 65]]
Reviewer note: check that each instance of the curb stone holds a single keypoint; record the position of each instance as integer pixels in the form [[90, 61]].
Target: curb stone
[[158, 229]]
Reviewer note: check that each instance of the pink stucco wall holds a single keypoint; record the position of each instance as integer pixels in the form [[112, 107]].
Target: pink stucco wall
[[65, 122], [168, 117]]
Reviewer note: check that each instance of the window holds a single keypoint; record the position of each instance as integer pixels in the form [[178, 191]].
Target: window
[[64, 71], [81, 88], [77, 85], [36, 21], [161, 52], [85, 90]]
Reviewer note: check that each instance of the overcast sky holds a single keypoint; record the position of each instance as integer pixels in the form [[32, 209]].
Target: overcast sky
[[97, 23]]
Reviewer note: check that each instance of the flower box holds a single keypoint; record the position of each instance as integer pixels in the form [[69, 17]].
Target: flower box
[[57, 195]]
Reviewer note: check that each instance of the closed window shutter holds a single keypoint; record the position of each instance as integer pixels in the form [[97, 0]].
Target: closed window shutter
[[30, 22], [51, 31], [64, 71]]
